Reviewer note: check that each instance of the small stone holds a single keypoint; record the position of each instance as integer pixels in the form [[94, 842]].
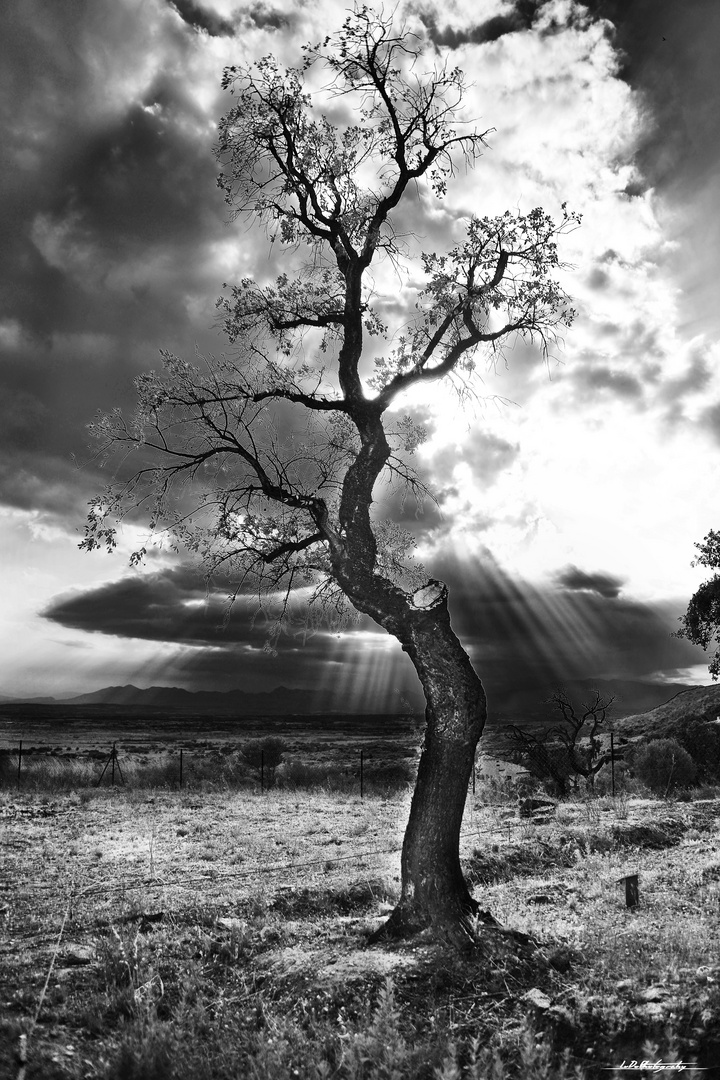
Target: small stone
[[624, 984], [537, 998], [231, 924], [76, 955]]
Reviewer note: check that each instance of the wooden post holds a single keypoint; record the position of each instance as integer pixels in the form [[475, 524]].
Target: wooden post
[[361, 773], [19, 763], [113, 755], [181, 767], [632, 894], [262, 771], [612, 761]]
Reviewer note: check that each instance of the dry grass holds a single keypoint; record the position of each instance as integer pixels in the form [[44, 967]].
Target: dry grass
[[227, 936]]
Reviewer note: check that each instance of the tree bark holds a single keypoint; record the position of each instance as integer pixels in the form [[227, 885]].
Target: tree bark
[[434, 894]]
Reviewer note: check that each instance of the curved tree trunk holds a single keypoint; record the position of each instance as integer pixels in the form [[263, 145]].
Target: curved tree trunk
[[434, 892]]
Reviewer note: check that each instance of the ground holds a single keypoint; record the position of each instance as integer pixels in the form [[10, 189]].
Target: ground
[[205, 933]]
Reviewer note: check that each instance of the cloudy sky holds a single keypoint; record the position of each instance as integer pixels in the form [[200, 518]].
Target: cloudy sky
[[569, 495]]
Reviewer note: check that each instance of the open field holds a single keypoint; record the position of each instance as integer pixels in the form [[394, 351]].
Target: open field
[[225, 934]]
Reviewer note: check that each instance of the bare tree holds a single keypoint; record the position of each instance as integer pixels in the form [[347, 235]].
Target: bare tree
[[265, 462], [572, 749]]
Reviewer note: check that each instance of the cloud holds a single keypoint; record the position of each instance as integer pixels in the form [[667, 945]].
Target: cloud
[[199, 18], [575, 580], [524, 639], [170, 605], [520, 15], [596, 376]]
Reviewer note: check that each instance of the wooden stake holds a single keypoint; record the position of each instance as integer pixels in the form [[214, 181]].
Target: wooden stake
[[632, 893]]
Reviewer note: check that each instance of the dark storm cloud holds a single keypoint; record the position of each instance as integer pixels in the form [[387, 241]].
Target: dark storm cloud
[[110, 211], [519, 16], [575, 580], [525, 640], [199, 18], [172, 605], [222, 648], [668, 52]]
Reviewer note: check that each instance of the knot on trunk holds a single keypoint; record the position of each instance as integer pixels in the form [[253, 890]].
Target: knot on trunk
[[432, 595]]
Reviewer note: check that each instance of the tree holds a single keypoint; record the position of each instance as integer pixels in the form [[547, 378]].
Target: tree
[[701, 621], [265, 755], [265, 462], [663, 764], [570, 750]]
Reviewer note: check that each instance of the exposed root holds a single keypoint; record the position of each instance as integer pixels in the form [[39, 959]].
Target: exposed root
[[465, 928]]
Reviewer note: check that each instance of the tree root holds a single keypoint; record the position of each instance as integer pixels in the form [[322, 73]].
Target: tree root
[[464, 928]]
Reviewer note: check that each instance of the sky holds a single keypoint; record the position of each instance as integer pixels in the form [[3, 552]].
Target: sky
[[570, 493]]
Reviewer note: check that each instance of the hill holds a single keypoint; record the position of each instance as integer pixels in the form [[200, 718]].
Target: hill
[[281, 701], [666, 720]]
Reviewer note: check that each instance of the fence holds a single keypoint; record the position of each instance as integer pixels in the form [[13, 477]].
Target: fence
[[41, 768]]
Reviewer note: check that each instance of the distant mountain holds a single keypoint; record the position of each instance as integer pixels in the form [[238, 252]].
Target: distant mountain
[[697, 702], [282, 700]]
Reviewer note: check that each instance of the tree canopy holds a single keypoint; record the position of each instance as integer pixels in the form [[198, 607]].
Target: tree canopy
[[283, 437], [701, 621]]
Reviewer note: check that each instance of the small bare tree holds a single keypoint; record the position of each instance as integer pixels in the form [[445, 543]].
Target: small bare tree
[[265, 462], [570, 751]]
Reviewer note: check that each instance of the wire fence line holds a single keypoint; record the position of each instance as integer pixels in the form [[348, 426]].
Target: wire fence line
[[221, 875], [242, 765]]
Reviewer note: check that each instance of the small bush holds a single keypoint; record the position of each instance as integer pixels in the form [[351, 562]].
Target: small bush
[[702, 742], [264, 755], [663, 765]]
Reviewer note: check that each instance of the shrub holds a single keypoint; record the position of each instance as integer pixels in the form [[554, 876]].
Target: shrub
[[264, 755], [702, 742], [664, 765]]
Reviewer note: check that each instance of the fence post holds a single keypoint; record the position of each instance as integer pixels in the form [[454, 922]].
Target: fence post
[[19, 763], [181, 763], [612, 761], [361, 773], [632, 892], [262, 771], [112, 757]]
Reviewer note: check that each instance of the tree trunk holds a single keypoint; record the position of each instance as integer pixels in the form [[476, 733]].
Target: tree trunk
[[434, 893]]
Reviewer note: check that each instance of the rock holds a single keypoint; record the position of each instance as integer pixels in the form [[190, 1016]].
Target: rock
[[537, 998], [653, 993], [528, 807], [624, 984], [77, 955], [539, 898], [232, 924]]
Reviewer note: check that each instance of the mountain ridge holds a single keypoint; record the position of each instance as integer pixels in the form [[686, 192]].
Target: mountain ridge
[[665, 720], [280, 700]]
